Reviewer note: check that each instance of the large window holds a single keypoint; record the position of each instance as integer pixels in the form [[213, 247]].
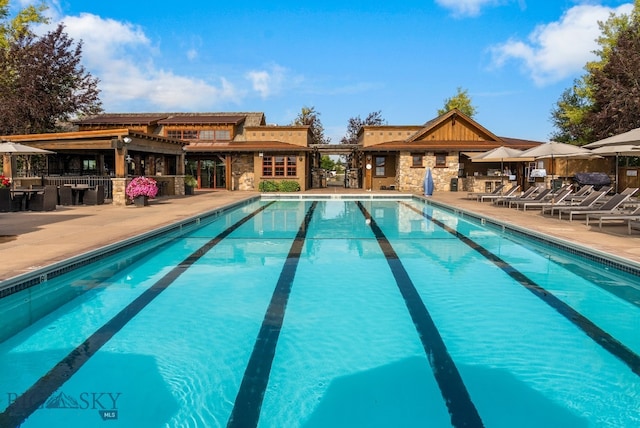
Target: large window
[[279, 166], [202, 134]]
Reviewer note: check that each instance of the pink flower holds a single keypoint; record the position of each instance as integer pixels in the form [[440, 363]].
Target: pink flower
[[142, 186]]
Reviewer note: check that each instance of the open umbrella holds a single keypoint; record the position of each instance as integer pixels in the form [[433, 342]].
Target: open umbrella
[[555, 149], [617, 150], [629, 137], [500, 154], [12, 149], [428, 183]]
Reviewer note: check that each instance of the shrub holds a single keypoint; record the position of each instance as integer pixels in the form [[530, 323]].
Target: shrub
[[279, 186]]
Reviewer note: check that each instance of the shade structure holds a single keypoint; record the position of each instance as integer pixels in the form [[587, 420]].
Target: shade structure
[[555, 149], [629, 137], [12, 149], [428, 183]]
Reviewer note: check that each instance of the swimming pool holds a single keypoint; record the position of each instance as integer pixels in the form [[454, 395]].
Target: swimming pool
[[334, 312]]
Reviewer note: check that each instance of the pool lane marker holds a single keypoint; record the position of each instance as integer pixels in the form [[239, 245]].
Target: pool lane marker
[[461, 409], [601, 337], [248, 403], [33, 398]]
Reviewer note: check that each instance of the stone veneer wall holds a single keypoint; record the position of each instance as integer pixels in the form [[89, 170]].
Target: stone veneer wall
[[119, 194], [242, 173], [411, 179]]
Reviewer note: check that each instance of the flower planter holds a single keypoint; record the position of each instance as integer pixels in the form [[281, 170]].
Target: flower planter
[[141, 201]]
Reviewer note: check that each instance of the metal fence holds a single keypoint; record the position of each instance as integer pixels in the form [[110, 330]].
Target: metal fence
[[91, 180]]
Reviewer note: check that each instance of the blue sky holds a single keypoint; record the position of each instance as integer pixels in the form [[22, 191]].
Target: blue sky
[[345, 58]]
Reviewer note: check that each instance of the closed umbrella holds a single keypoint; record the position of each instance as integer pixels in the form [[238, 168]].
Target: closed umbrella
[[12, 149], [428, 183]]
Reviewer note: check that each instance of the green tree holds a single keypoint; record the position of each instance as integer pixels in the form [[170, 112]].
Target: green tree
[[355, 123], [20, 24], [327, 163], [461, 101], [310, 117], [574, 113]]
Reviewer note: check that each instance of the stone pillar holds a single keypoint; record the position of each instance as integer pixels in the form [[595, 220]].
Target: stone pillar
[[119, 188]]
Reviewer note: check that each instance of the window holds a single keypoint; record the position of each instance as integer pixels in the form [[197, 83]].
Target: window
[[223, 134], [279, 166], [380, 164], [416, 160], [441, 159], [203, 134]]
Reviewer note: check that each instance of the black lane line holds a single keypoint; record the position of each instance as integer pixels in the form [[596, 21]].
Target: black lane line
[[461, 409], [27, 403], [601, 337], [246, 409]]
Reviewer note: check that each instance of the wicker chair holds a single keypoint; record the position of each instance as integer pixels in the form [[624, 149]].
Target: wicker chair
[[94, 197], [45, 201], [65, 195]]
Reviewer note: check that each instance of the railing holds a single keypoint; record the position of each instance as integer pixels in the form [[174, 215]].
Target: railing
[[91, 180]]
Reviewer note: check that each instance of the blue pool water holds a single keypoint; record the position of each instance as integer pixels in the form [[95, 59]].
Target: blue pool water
[[330, 313]]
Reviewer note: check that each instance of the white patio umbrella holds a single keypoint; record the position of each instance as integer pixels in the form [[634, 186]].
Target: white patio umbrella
[[500, 154], [617, 150], [12, 149], [630, 137], [555, 149]]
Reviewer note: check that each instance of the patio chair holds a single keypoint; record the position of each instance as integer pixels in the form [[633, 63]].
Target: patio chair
[[589, 201], [477, 195], [633, 215], [556, 198], [611, 206], [65, 195], [527, 194], [45, 201], [5, 200], [511, 191], [94, 196], [540, 196]]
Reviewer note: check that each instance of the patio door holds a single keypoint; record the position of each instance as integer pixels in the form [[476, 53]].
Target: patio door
[[211, 173]]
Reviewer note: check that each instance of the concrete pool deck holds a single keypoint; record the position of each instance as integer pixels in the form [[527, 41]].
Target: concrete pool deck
[[32, 240]]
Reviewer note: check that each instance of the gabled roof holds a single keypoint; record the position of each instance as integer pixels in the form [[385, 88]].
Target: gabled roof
[[248, 146], [202, 120], [122, 119], [454, 116]]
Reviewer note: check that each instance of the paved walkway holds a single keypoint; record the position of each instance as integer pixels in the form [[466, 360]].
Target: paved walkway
[[30, 240]]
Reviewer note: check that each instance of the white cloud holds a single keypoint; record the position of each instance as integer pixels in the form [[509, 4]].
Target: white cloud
[[270, 81], [559, 49], [467, 7], [121, 56]]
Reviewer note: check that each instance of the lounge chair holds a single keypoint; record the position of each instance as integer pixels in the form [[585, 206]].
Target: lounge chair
[[633, 225], [527, 194], [511, 191], [590, 201], [611, 206], [477, 195], [538, 197], [633, 215], [556, 198]]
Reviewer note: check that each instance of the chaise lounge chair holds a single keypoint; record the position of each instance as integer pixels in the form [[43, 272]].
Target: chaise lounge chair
[[555, 198], [477, 195], [629, 216], [527, 194], [590, 201], [612, 206], [511, 191]]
